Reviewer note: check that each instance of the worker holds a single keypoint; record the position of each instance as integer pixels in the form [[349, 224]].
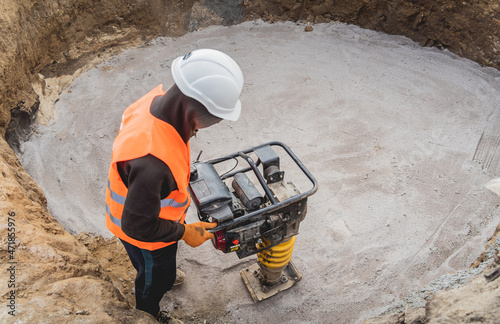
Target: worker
[[147, 194]]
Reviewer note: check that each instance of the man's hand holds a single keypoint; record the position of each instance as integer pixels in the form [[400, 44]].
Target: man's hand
[[196, 234]]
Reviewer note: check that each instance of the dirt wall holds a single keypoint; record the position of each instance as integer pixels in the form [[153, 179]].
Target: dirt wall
[[57, 37], [466, 28], [54, 37]]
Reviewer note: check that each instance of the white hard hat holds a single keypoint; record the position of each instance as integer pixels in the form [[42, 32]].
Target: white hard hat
[[212, 78]]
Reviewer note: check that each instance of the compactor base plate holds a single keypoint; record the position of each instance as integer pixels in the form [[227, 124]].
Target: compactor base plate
[[258, 291]]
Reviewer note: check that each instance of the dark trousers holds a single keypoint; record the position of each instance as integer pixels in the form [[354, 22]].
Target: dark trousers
[[155, 275]]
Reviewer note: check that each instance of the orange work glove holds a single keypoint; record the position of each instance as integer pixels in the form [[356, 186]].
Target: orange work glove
[[196, 234]]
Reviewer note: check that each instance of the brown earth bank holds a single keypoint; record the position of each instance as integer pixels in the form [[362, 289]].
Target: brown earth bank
[[52, 276]]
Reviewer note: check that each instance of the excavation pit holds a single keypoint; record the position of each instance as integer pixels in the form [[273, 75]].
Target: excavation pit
[[401, 139]]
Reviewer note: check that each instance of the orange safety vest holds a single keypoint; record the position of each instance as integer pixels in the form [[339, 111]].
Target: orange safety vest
[[141, 134]]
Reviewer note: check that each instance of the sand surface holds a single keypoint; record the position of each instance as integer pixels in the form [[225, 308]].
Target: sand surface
[[401, 139]]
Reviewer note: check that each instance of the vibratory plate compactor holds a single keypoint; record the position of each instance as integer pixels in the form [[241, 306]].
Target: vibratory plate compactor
[[256, 210]]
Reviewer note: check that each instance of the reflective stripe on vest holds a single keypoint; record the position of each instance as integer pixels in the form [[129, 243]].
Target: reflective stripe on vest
[[121, 200]]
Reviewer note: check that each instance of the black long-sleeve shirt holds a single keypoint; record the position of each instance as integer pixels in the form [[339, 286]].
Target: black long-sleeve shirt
[[148, 180]]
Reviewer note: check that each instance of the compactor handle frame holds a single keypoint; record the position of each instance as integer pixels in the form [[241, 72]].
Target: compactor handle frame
[[254, 167]]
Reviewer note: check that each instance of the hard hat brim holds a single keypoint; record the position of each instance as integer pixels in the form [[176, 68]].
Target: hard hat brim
[[231, 114]]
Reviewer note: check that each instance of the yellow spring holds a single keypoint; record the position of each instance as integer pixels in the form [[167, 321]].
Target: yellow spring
[[277, 256]]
